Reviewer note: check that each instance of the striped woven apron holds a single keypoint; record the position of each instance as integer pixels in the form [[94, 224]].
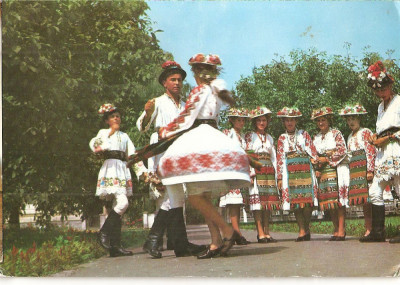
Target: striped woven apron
[[328, 188], [266, 183], [299, 180], [358, 190]]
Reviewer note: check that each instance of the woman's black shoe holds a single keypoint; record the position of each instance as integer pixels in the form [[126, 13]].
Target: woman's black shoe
[[307, 237], [271, 239], [333, 238], [209, 253], [228, 243], [262, 240], [302, 238], [242, 241], [338, 238]]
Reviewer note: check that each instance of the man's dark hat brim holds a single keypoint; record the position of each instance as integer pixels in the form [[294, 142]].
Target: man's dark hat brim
[[169, 71]]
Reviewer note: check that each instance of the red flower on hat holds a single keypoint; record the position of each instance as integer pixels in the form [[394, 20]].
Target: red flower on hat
[[197, 58], [376, 68], [214, 59], [170, 63]]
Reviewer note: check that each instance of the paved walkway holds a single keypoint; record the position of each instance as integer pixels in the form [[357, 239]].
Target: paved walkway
[[316, 258]]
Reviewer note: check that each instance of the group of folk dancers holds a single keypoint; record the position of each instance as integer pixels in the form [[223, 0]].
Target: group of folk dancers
[[188, 157]]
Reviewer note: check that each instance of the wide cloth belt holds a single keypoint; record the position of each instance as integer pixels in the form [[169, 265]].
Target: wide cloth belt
[[114, 154]]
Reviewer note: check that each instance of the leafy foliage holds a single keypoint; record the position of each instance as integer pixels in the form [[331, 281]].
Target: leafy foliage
[[312, 79], [61, 61]]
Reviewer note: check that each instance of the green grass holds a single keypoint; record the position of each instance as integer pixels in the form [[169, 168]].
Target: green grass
[[40, 252], [354, 227]]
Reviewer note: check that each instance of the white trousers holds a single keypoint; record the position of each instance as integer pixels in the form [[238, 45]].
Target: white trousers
[[120, 203], [163, 202], [377, 188], [176, 195]]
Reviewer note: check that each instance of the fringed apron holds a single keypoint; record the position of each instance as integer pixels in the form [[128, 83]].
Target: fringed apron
[[328, 187], [358, 190], [301, 193], [266, 183]]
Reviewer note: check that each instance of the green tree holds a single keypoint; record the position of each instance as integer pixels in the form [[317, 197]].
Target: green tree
[[312, 79], [61, 61]]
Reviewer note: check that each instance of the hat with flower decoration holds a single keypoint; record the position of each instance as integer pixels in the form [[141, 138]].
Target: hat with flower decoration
[[356, 109], [211, 59], [242, 112], [170, 67], [106, 108], [289, 112], [324, 111], [259, 111], [377, 76]]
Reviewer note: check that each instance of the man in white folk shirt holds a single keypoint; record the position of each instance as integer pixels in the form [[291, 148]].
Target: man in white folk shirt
[[160, 112]]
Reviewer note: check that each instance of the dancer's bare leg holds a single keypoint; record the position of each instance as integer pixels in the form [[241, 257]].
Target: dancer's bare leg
[[259, 224], [203, 203], [234, 213], [367, 209]]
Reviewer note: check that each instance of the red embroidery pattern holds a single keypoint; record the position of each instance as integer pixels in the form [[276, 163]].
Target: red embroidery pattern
[[340, 148], [193, 98], [280, 156], [200, 163], [370, 150]]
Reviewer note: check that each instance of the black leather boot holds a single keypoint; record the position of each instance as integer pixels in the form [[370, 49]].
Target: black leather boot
[[182, 246], [377, 233], [116, 248], [156, 233], [106, 230], [378, 217]]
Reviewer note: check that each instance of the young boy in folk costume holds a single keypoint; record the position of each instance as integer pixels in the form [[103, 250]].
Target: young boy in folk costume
[[296, 177], [362, 162], [387, 142], [332, 170], [236, 197], [263, 194], [114, 180]]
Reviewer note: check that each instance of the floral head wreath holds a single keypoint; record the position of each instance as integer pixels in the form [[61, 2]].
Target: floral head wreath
[[356, 109], [288, 112], [170, 67], [259, 111], [242, 112], [324, 111], [106, 108], [377, 76], [211, 59]]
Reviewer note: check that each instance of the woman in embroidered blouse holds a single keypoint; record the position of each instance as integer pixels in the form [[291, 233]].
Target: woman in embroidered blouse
[[362, 162], [204, 160], [263, 194], [332, 170], [236, 197], [387, 142], [296, 177], [114, 180]]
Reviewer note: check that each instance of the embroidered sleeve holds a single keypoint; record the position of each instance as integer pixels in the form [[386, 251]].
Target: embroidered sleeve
[[370, 150], [310, 147], [247, 139], [340, 152], [280, 157], [100, 141], [185, 120]]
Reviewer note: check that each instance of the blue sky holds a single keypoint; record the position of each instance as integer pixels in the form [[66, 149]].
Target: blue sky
[[246, 34]]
